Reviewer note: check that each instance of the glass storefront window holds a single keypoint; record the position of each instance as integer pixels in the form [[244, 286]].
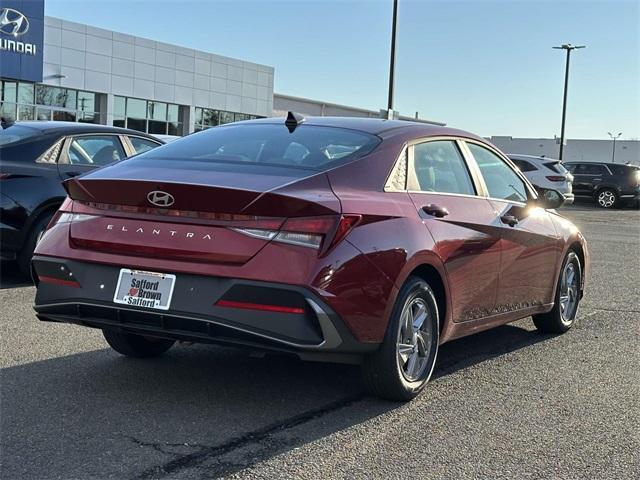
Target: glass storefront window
[[64, 116], [56, 97], [9, 90], [137, 124], [147, 116], [43, 114], [172, 113], [8, 110], [157, 111], [136, 108], [206, 118], [119, 107], [25, 93], [87, 102], [26, 112], [226, 117]]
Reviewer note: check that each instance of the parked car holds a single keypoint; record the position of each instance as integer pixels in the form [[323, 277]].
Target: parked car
[[608, 184], [35, 157], [546, 174], [337, 239]]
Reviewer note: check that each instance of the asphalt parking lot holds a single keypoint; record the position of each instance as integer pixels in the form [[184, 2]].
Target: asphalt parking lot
[[508, 403]]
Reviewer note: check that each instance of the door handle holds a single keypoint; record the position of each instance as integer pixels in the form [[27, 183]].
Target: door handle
[[509, 219], [72, 174], [435, 210]]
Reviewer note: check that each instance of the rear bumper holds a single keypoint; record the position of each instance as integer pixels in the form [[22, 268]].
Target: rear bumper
[[82, 293], [568, 198]]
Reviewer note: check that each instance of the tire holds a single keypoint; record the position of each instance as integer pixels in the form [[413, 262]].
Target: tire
[[388, 372], [607, 198], [24, 257], [559, 320], [137, 346]]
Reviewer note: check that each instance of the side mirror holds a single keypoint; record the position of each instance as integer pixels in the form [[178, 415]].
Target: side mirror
[[550, 199]]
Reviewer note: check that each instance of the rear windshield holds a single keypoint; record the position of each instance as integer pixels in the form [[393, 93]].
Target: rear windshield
[[15, 133], [308, 146]]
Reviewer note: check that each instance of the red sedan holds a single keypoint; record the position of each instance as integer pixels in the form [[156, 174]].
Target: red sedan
[[337, 239]]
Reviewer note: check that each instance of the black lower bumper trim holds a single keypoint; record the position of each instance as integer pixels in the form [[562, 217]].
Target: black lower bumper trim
[[193, 315]]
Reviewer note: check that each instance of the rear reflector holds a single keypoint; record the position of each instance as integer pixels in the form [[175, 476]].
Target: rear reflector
[[556, 178], [58, 281], [258, 306]]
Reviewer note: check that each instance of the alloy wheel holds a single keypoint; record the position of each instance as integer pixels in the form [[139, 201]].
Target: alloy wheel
[[606, 199], [569, 293], [414, 339]]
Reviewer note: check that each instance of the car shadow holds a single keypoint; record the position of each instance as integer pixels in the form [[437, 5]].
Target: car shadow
[[11, 277], [98, 415]]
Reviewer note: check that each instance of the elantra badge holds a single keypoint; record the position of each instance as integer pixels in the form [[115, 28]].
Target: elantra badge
[[160, 198]]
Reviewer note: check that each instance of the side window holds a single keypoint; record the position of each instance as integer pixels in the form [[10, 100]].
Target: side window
[[592, 169], [95, 150], [142, 144], [440, 167], [502, 182]]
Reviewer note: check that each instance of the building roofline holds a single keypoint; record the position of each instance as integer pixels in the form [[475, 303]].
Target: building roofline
[[376, 114]]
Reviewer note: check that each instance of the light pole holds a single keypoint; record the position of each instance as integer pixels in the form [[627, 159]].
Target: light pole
[[613, 153], [392, 61], [568, 47]]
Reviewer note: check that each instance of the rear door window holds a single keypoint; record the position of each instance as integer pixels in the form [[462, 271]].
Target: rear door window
[[95, 150], [591, 169], [438, 166]]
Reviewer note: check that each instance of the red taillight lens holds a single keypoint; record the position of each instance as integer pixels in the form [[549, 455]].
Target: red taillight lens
[[556, 178], [321, 233]]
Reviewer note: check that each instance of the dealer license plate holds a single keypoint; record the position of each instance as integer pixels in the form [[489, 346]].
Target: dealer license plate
[[144, 289]]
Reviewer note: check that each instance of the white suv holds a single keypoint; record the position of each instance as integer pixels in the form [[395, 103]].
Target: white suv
[[545, 174]]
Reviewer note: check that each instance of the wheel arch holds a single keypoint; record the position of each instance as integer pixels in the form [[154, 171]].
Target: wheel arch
[[433, 277]]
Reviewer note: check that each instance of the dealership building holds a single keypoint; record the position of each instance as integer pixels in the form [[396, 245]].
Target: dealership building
[[53, 69]]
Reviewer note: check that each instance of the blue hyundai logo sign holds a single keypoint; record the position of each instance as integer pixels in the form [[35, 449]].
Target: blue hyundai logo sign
[[21, 39]]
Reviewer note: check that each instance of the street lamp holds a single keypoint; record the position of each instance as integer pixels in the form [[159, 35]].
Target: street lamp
[[613, 153], [568, 47], [392, 60]]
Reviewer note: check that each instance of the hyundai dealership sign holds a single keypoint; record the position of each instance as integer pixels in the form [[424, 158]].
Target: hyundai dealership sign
[[21, 39]]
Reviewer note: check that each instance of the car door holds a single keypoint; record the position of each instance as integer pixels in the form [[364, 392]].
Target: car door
[[442, 188], [530, 245], [82, 153], [586, 176]]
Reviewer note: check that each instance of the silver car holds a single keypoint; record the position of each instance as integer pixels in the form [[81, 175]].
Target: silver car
[[546, 174]]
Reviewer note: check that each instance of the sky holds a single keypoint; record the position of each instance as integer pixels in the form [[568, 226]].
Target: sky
[[483, 66]]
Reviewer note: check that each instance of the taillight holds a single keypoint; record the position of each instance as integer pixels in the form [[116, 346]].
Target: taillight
[[65, 214], [319, 233], [556, 178]]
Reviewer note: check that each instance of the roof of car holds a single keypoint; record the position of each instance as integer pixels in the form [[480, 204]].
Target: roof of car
[[53, 127], [376, 126]]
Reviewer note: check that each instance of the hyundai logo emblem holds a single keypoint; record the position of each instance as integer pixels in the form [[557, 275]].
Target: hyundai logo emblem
[[160, 198], [12, 22]]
